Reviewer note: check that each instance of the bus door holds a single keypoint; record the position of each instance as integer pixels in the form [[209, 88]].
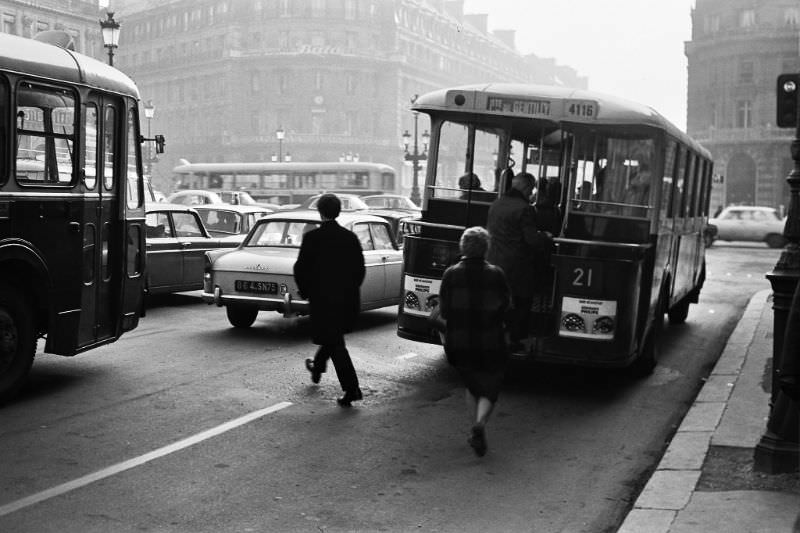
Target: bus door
[[103, 232]]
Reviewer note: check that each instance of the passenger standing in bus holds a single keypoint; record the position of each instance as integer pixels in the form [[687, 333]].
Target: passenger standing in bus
[[474, 300], [329, 271], [516, 238]]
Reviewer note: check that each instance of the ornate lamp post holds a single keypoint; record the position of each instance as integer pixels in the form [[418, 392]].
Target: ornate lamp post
[[415, 157], [779, 447], [149, 113], [280, 134], [110, 31]]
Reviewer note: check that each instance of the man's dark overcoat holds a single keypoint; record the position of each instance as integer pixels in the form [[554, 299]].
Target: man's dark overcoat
[[329, 272], [515, 240]]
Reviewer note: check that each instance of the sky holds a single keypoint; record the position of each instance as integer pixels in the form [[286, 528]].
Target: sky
[[633, 49]]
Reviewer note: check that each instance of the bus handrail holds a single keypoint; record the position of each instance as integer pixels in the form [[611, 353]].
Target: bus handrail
[[436, 225], [625, 245]]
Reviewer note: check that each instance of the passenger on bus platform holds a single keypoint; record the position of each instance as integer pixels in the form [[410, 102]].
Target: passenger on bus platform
[[516, 242], [474, 300], [638, 191], [471, 188]]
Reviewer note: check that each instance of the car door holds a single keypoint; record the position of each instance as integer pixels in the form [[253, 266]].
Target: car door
[[729, 225], [372, 288], [164, 255], [194, 242], [391, 257]]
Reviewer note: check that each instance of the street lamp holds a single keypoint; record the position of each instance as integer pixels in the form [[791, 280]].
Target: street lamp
[[415, 157], [280, 134], [149, 113], [110, 31]]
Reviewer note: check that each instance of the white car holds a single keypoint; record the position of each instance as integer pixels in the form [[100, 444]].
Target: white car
[[230, 222], [259, 274], [750, 223]]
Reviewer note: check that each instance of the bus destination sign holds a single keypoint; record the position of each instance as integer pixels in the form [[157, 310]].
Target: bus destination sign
[[533, 108]]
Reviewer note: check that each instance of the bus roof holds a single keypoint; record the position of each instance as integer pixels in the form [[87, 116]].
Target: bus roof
[[547, 102], [31, 57], [270, 167]]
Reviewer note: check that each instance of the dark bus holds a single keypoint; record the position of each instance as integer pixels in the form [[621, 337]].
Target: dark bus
[[72, 237], [631, 193]]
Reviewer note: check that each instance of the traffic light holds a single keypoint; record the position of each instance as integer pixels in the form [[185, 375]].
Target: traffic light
[[788, 87]]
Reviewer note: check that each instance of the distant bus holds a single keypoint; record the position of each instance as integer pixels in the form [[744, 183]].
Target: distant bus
[[631, 193], [288, 182], [72, 240]]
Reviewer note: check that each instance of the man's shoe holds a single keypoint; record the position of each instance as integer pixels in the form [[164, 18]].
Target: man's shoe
[[478, 440], [350, 397], [315, 374]]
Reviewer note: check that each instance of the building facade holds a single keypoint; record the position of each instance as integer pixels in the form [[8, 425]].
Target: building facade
[[336, 76], [79, 18], [737, 51]]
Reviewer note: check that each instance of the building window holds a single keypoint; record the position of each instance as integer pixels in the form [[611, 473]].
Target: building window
[[283, 8], [746, 70], [350, 9], [318, 8], [744, 114], [283, 40], [255, 82], [711, 23], [283, 83], [9, 23], [790, 16], [317, 39], [350, 83], [318, 81], [747, 18], [714, 112]]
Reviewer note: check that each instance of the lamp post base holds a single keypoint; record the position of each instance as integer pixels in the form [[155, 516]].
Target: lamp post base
[[774, 455]]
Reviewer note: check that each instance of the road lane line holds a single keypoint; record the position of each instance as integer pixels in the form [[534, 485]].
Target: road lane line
[[69, 486]]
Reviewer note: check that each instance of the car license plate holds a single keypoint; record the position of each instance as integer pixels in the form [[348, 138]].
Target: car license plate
[[261, 287]]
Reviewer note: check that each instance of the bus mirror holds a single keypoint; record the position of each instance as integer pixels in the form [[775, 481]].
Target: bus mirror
[[160, 142]]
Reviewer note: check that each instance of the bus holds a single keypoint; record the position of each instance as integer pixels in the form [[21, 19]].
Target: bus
[[631, 193], [288, 182], [72, 240]]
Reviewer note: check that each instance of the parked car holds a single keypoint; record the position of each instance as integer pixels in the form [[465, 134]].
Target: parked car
[[194, 197], [396, 220], [350, 202], [750, 223], [231, 222], [259, 275], [176, 243], [395, 202]]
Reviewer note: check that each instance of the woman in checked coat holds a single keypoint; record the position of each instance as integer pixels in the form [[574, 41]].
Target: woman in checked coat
[[475, 302]]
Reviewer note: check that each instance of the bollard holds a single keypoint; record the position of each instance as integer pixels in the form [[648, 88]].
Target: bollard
[[778, 451]]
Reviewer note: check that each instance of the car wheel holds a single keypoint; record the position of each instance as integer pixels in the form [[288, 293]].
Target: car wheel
[[774, 240], [17, 341], [241, 316]]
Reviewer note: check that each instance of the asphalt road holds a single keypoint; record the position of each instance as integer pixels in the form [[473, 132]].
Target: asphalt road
[[147, 434]]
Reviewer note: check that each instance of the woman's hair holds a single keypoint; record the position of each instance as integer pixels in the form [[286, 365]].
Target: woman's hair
[[474, 242]]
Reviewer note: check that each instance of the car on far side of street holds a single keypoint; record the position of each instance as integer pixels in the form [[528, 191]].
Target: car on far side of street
[[176, 243], [749, 223], [259, 275], [395, 202], [230, 222], [350, 202]]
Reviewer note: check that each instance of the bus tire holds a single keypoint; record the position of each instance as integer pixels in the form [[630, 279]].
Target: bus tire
[[678, 313], [774, 240], [647, 359], [17, 341], [241, 316]]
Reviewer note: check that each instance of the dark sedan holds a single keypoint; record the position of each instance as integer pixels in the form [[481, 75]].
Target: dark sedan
[[177, 242]]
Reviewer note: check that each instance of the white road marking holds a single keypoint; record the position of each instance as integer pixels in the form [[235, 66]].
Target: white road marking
[[409, 355], [69, 486]]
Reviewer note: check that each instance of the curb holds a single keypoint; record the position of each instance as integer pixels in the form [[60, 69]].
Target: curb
[[670, 487]]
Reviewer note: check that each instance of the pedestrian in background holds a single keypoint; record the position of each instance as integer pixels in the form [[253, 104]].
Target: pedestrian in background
[[474, 300], [516, 239], [329, 272]]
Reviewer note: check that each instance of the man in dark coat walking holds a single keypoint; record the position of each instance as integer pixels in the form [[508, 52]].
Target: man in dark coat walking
[[516, 241], [329, 272]]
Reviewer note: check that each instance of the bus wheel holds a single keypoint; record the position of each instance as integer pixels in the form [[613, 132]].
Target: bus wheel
[[17, 342], [679, 312], [645, 363], [241, 316], [774, 240]]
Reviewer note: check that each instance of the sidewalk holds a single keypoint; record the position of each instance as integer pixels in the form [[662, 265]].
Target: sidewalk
[[705, 483]]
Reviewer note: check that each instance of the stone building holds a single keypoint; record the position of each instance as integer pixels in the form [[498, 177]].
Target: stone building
[[738, 49], [79, 18], [336, 76]]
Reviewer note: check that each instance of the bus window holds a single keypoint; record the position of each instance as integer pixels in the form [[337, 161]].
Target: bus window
[[109, 146], [466, 163], [91, 141], [134, 197], [45, 135], [666, 183], [3, 135]]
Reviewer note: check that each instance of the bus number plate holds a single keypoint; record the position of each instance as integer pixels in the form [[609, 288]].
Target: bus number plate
[[260, 287]]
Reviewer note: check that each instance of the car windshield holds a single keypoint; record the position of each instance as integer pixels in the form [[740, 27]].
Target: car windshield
[[286, 233], [220, 221]]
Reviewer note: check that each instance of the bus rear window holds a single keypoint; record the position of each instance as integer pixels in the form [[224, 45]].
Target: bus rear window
[[45, 121]]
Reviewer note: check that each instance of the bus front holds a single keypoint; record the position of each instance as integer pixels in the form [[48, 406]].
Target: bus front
[[593, 301]]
